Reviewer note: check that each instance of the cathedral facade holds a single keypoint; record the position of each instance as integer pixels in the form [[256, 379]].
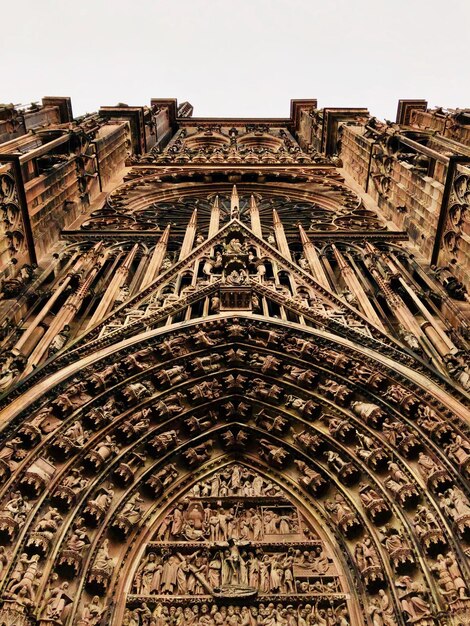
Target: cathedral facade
[[235, 367]]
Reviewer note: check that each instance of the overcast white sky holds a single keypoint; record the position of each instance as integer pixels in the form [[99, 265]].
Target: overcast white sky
[[237, 58]]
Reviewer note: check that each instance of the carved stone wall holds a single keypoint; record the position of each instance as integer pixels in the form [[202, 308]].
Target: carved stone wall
[[234, 396]]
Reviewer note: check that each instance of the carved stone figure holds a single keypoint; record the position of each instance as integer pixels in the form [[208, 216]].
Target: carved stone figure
[[273, 454], [92, 613], [412, 601], [44, 531], [449, 577], [199, 454], [371, 413]]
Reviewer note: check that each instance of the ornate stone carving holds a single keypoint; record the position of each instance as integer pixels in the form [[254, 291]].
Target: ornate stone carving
[[101, 569], [412, 600], [401, 486], [343, 515], [368, 563], [429, 531], [39, 540], [347, 472], [398, 550], [97, 508], [13, 516]]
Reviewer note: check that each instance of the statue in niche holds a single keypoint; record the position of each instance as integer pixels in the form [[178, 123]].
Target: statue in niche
[[171, 406], [400, 485], [44, 531], [311, 479], [455, 504], [305, 377], [26, 579], [199, 454], [381, 610], [104, 450], [432, 472], [450, 577], [264, 391], [103, 561], [73, 397], [276, 424], [371, 413], [11, 453], [366, 555], [205, 339], [459, 451], [428, 530], [54, 608], [237, 277], [340, 429], [432, 423], [17, 509], [172, 376], [364, 375], [164, 441], [343, 514], [207, 364], [412, 602], [106, 377], [235, 440], [272, 453], [103, 499], [161, 479], [92, 613], [306, 408], [402, 397], [206, 390], [336, 391], [70, 486], [370, 452], [135, 392], [267, 364], [43, 423], [235, 246]]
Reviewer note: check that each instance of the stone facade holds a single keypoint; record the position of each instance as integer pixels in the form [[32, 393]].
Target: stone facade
[[234, 375]]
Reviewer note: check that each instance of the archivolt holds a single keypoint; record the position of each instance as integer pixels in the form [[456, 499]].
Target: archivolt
[[345, 412]]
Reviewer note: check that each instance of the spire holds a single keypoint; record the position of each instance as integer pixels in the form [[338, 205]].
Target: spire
[[255, 219], [108, 298], [352, 282], [234, 204], [189, 236], [157, 258], [313, 259], [215, 218], [281, 236]]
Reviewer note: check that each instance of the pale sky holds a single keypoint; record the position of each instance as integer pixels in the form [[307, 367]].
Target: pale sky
[[243, 58]]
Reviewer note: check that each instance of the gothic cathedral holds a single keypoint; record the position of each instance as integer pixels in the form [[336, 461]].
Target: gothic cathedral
[[235, 367]]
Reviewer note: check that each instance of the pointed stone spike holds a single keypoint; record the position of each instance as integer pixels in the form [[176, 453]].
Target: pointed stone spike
[[189, 236], [281, 238], [157, 258], [215, 217], [313, 259], [234, 204], [255, 218], [352, 281]]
